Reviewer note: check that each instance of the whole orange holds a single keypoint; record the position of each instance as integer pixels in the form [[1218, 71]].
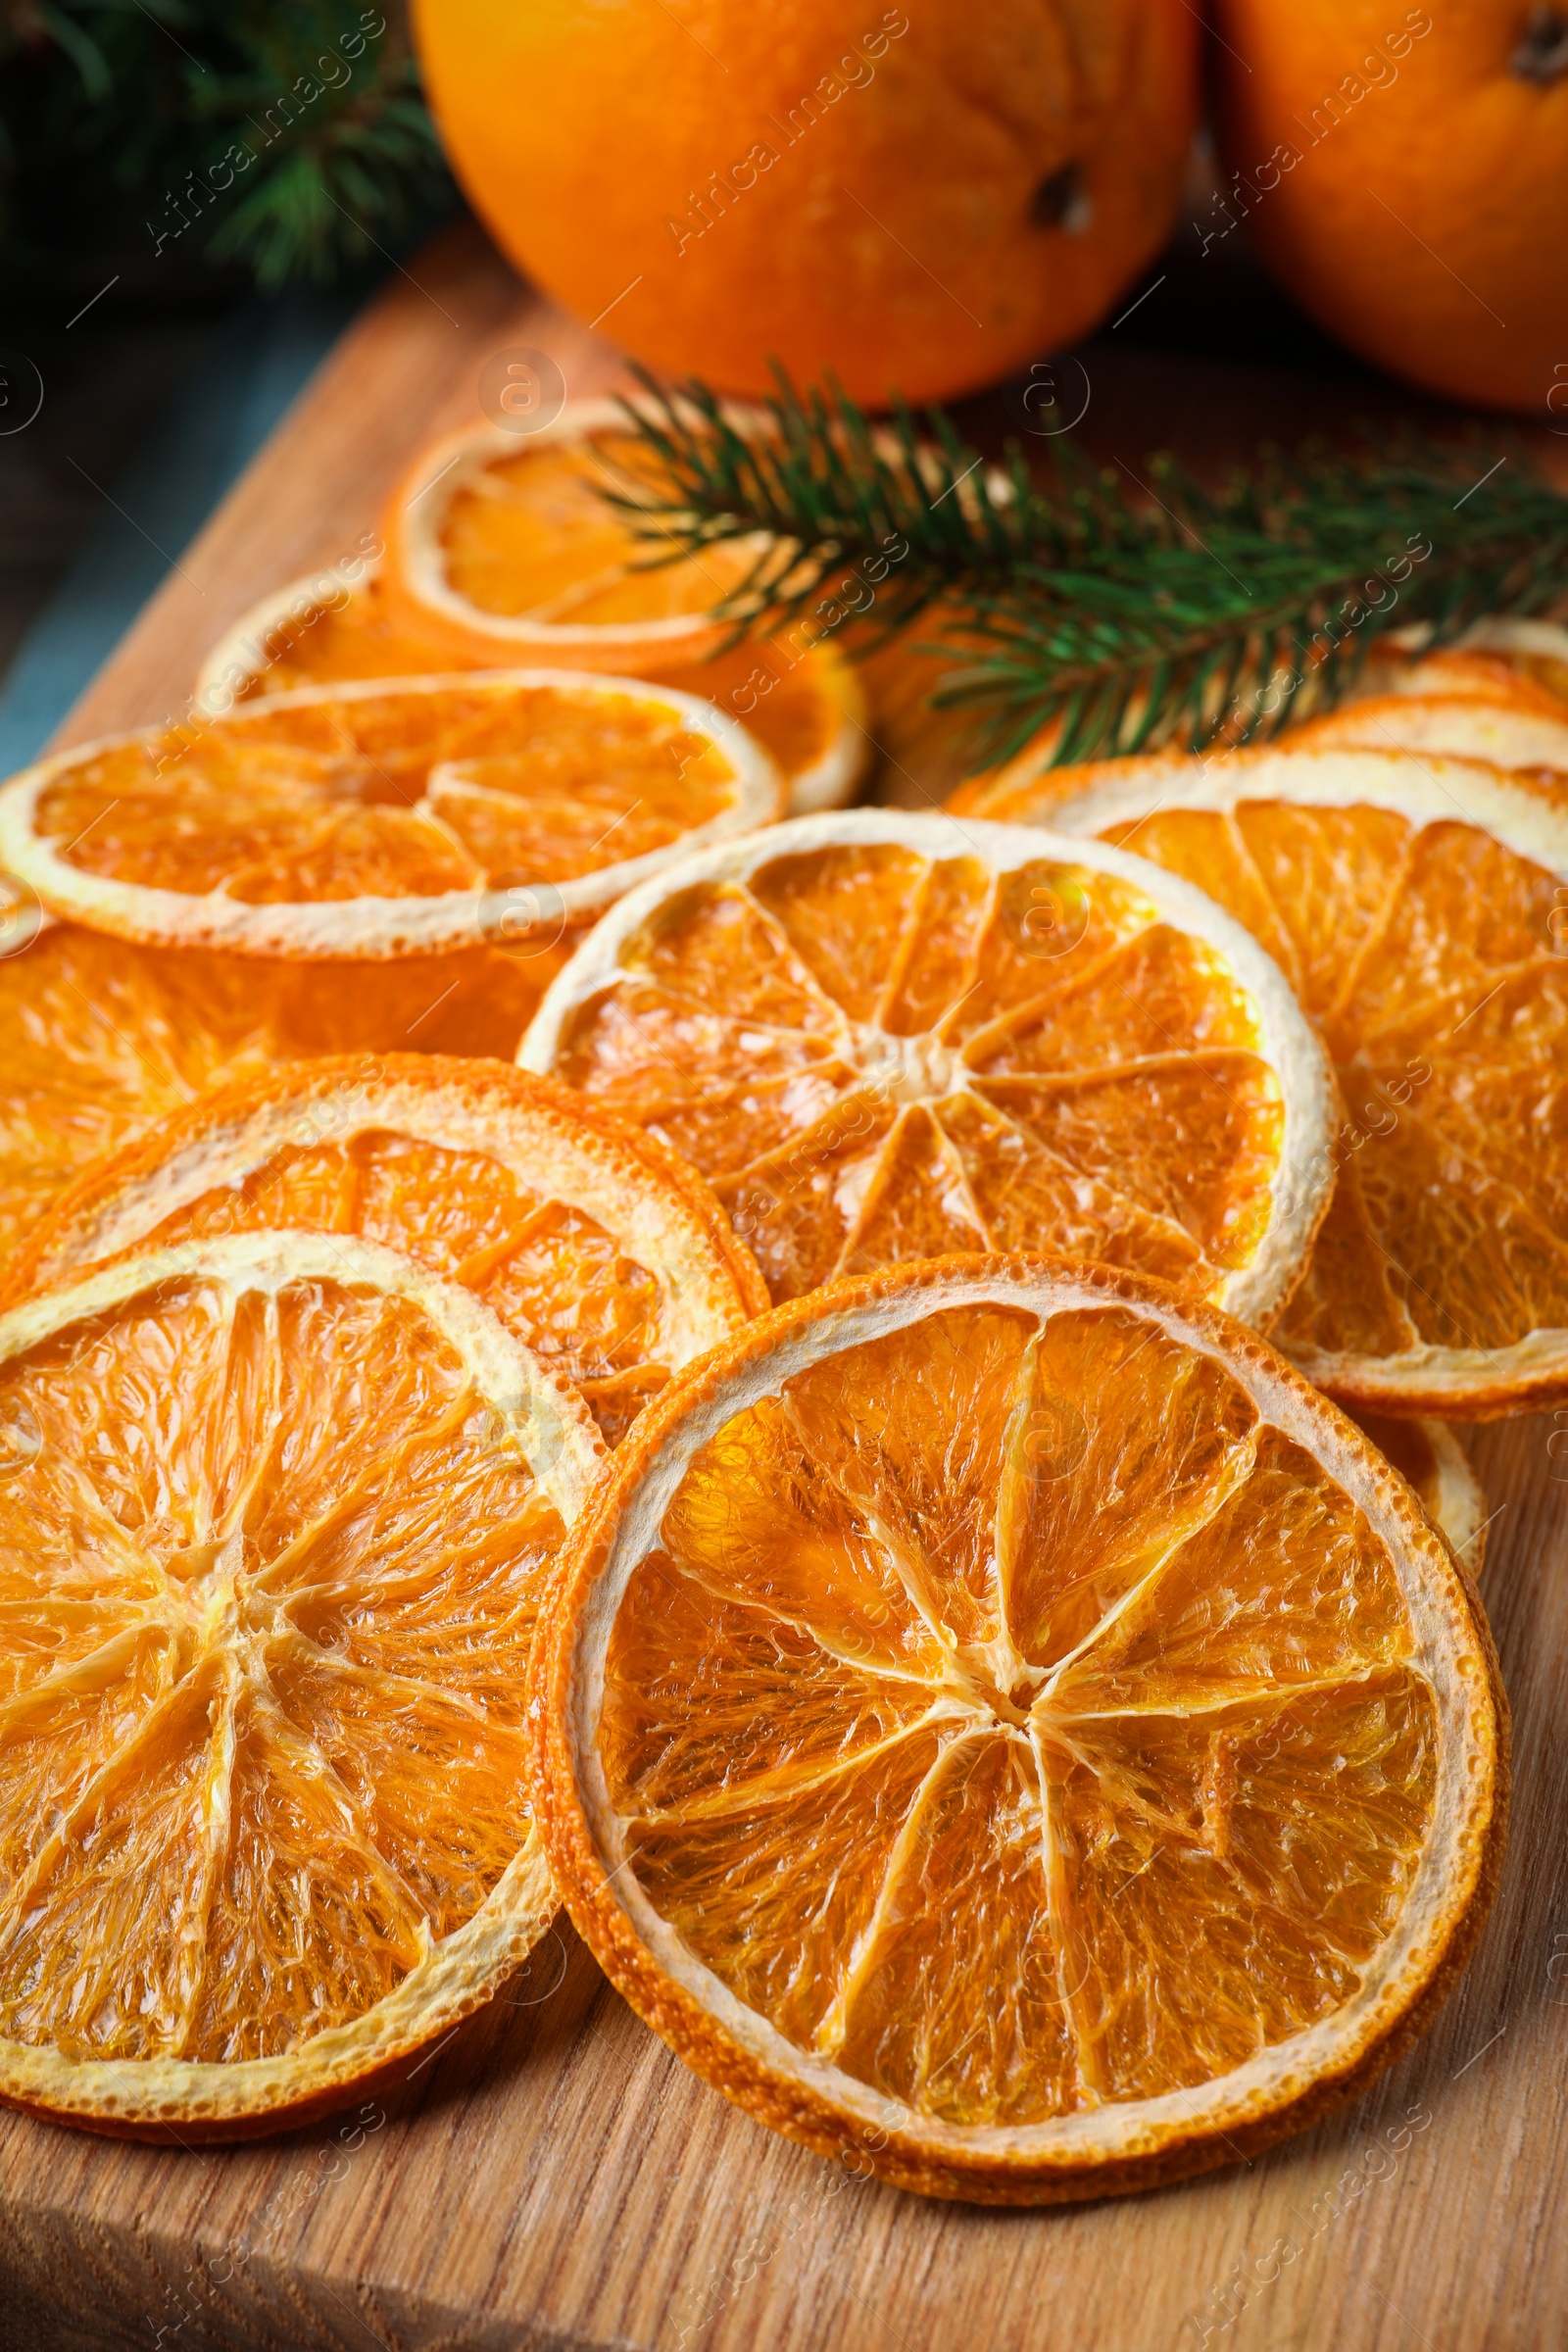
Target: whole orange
[[920, 198], [1405, 173]]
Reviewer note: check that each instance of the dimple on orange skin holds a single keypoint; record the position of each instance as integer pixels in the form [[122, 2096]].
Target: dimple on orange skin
[[951, 191], [1424, 220]]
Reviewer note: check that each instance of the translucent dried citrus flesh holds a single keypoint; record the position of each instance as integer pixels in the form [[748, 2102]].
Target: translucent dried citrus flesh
[[882, 1048], [1434, 959], [803, 708], [99, 1038], [310, 640], [494, 805], [304, 641], [275, 1521], [1064, 1739], [336, 799], [607, 1256]]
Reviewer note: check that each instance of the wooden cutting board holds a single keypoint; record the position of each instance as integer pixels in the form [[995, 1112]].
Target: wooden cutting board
[[550, 2179]]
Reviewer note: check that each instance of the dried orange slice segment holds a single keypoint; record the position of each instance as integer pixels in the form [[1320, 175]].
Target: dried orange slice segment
[[380, 819], [884, 1036], [805, 709], [601, 1251], [276, 1519], [1464, 726], [98, 1037], [1009, 1729], [505, 547], [1420, 908]]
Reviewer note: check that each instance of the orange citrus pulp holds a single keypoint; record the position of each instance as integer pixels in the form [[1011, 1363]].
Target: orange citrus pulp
[[99, 1036]]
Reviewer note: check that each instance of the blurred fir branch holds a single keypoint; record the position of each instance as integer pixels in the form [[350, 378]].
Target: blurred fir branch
[[285, 137], [1132, 609]]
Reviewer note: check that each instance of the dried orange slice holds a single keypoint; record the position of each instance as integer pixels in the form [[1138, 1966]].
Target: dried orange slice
[[504, 547], [380, 819], [1420, 908], [884, 1036], [99, 1038], [1502, 734], [314, 631], [275, 1521], [1533, 651], [601, 1251], [1005, 1728], [1474, 671], [805, 709]]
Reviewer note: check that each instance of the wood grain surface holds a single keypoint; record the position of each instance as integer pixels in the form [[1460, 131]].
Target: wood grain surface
[[550, 2179]]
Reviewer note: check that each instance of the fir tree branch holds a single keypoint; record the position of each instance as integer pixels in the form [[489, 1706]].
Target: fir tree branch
[[1133, 607], [287, 136]]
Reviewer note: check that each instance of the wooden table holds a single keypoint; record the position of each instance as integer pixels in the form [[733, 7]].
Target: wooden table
[[550, 2179]]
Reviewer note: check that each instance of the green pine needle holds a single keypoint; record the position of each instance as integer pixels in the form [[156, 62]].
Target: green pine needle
[[288, 137], [1135, 608]]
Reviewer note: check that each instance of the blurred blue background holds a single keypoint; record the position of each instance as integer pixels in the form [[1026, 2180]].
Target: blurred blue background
[[141, 433]]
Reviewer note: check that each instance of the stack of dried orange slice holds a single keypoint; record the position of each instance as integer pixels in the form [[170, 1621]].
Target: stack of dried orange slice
[[1495, 658], [947, 1605], [453, 831], [303, 1378], [1498, 695], [873, 1689], [500, 550], [595, 1246], [380, 800], [296, 1400], [988, 1712], [98, 1037]]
